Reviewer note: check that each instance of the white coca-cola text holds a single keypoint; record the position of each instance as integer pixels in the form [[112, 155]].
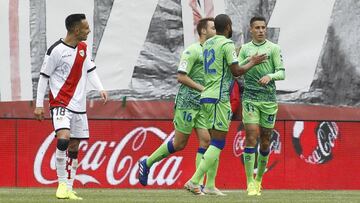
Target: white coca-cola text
[[118, 162]]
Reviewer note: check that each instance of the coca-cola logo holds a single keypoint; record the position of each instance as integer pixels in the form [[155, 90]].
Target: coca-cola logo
[[121, 163], [239, 146], [314, 141]]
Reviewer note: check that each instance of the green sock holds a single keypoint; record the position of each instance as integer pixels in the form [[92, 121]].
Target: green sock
[[158, 155], [249, 162], [262, 162], [209, 158], [198, 159], [211, 175]]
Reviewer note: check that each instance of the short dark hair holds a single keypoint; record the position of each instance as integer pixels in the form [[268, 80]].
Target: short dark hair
[[221, 21], [202, 24], [73, 19], [257, 18]]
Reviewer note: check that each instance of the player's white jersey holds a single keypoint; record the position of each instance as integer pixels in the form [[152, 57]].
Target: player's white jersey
[[67, 68]]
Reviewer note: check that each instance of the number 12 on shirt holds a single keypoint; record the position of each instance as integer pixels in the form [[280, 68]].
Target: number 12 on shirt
[[209, 58]]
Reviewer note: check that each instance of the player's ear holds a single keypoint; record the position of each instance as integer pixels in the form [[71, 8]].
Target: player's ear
[[76, 29], [250, 27], [203, 31]]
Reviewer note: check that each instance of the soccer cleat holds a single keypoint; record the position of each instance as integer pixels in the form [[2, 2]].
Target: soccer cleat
[[73, 195], [251, 189], [143, 172], [213, 191], [202, 187], [195, 189], [62, 191], [258, 187]]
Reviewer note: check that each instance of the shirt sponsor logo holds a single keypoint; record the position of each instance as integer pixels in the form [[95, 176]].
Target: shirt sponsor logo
[[66, 55]]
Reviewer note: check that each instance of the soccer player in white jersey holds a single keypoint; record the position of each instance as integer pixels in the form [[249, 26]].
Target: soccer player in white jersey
[[67, 67]]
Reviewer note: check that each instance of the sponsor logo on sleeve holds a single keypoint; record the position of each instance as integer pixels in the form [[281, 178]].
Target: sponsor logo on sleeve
[[182, 66]]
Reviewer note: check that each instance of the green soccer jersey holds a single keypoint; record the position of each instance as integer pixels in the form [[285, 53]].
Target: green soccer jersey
[[219, 53], [191, 63], [272, 66]]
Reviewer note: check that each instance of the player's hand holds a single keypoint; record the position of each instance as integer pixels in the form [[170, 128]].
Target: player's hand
[[264, 80], [39, 113], [201, 88], [104, 96], [256, 59]]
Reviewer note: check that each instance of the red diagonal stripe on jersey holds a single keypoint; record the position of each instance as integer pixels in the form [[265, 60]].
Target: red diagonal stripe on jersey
[[68, 89]]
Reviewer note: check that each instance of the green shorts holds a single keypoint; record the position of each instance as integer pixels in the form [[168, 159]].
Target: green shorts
[[187, 119], [218, 115], [262, 113]]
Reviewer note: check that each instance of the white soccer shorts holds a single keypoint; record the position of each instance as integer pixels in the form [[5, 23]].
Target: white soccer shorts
[[77, 123]]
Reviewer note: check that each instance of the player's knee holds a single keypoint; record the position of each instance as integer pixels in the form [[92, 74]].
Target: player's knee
[[251, 135], [266, 133], [62, 144], [250, 141]]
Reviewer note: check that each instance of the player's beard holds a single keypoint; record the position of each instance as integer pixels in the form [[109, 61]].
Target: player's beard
[[83, 38]]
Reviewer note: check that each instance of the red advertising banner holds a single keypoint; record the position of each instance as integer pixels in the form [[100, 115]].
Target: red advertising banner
[[8, 152], [304, 155]]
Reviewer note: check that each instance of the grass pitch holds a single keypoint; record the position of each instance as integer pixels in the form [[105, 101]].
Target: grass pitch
[[171, 196]]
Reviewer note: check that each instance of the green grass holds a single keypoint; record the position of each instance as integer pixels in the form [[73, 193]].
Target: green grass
[[171, 196]]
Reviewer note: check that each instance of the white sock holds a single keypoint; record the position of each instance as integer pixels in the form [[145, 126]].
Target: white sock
[[71, 164], [61, 165]]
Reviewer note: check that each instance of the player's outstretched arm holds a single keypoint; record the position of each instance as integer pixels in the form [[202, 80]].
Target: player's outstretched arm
[[186, 80], [238, 70]]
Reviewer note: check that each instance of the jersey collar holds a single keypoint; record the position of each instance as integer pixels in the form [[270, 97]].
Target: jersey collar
[[259, 44], [62, 41]]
